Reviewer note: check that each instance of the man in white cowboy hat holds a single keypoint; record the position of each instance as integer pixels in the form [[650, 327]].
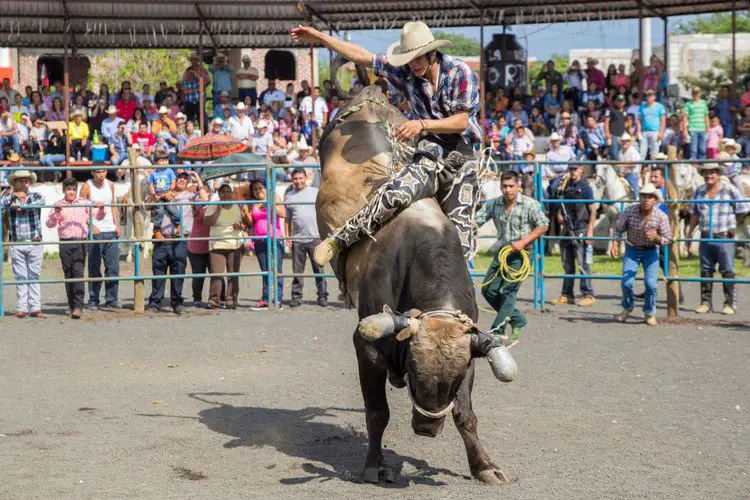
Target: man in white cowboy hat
[[217, 127], [221, 103], [262, 141], [629, 169], [110, 124], [557, 152], [247, 81], [9, 132], [241, 126], [443, 93], [719, 221], [647, 229], [595, 75], [732, 167], [222, 75], [25, 231], [164, 122]]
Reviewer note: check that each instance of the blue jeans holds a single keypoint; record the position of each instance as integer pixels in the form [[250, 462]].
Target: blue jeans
[[614, 149], [52, 160], [650, 260], [169, 257], [722, 254], [12, 140], [261, 252], [573, 255], [110, 252], [634, 180], [649, 145], [697, 145]]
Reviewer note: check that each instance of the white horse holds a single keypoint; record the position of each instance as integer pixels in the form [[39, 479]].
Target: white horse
[[608, 186]]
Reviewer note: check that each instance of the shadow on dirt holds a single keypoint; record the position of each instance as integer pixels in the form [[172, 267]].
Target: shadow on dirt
[[298, 433]]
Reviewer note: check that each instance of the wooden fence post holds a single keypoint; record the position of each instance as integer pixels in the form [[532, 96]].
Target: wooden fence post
[[673, 287], [138, 223]]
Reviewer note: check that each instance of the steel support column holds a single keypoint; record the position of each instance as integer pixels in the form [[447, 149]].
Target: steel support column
[[482, 103]]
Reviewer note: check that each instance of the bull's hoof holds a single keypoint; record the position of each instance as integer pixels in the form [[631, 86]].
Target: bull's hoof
[[492, 476], [387, 475], [371, 475]]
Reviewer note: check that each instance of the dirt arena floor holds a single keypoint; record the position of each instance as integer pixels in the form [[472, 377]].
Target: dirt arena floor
[[234, 404]]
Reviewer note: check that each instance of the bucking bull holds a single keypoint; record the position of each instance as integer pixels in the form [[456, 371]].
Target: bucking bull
[[414, 265]]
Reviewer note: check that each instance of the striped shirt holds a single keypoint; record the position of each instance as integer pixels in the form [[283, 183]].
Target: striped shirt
[[25, 217], [696, 115], [630, 221], [723, 214], [525, 216], [72, 220], [457, 90]]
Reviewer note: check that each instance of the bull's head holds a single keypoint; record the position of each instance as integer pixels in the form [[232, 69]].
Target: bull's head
[[441, 350]]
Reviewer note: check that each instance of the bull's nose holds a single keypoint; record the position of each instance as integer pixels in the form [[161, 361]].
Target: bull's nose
[[426, 427]]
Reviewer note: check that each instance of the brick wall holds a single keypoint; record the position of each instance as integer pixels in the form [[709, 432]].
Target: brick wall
[[257, 56], [78, 68]]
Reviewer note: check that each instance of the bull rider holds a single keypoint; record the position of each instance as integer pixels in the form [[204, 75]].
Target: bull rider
[[444, 94]]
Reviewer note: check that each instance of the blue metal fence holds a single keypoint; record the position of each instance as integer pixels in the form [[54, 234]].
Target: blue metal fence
[[272, 238]]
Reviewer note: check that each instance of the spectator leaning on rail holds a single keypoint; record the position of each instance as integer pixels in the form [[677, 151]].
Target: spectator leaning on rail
[[647, 228], [519, 220], [102, 191], [718, 221], [25, 230], [302, 225], [576, 220], [171, 250], [71, 217]]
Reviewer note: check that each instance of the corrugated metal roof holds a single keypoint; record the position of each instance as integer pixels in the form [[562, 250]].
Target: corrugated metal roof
[[243, 23]]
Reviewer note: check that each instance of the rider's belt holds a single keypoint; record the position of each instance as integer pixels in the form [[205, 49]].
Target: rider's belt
[[650, 247]]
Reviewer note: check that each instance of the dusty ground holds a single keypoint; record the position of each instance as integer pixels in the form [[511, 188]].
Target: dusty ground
[[255, 404]]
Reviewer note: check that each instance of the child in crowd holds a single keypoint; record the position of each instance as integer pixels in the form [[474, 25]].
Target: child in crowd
[[71, 217], [161, 185], [715, 135]]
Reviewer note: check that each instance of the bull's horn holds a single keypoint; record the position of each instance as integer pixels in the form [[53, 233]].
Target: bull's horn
[[503, 365], [381, 325]]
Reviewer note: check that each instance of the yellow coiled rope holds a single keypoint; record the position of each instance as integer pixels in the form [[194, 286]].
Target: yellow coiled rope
[[506, 271]]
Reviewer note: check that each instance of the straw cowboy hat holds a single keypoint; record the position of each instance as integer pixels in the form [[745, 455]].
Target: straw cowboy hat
[[592, 60], [111, 109], [416, 40], [21, 174], [240, 106], [729, 143], [650, 189], [660, 157], [703, 167], [163, 110], [554, 137], [13, 156], [626, 137]]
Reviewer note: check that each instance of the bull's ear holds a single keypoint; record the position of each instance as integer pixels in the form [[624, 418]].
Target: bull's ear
[[404, 334], [387, 309], [414, 313]]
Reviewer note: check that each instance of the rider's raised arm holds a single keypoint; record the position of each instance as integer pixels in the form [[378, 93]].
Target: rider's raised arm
[[350, 51]]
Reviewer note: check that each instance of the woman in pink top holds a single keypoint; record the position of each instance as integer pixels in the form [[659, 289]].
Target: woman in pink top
[[256, 216], [715, 135]]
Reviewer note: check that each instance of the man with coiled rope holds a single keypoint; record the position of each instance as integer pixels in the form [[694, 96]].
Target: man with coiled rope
[[520, 221]]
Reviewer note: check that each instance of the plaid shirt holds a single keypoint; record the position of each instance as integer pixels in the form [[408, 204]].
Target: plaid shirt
[[525, 216], [457, 90], [192, 90], [636, 226], [724, 218], [26, 218]]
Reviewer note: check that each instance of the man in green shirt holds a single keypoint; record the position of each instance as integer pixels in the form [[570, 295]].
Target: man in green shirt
[[519, 220], [696, 120]]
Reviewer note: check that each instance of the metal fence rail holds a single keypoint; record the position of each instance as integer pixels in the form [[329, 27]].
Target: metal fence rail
[[273, 238]]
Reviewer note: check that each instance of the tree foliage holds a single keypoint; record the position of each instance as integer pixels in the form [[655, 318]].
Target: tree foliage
[[561, 64], [711, 80], [138, 67], [461, 45], [715, 24]]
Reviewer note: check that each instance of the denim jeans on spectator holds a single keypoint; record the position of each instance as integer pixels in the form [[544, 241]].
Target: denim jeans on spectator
[[573, 255], [26, 264], [632, 259], [633, 179], [300, 252], [697, 145], [169, 257], [162, 208], [261, 252], [110, 253], [614, 148], [721, 254], [121, 158], [649, 145], [744, 147], [50, 161], [12, 140]]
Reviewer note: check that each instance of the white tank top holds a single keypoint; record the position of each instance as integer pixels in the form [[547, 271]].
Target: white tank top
[[103, 194]]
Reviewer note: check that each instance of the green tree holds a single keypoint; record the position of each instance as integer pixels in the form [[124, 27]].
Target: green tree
[[715, 24], [561, 65], [138, 67], [711, 80], [461, 45]]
